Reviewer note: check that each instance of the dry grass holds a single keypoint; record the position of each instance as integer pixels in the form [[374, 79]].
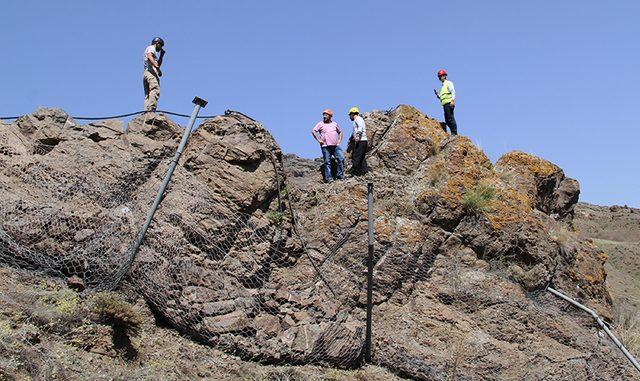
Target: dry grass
[[58, 311], [458, 353], [399, 206], [478, 199], [560, 235], [626, 325], [436, 173]]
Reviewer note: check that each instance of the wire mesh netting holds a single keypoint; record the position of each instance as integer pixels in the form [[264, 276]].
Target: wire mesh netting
[[60, 220], [273, 270], [235, 277]]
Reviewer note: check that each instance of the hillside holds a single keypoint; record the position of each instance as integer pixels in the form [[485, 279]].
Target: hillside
[[616, 230], [254, 267]]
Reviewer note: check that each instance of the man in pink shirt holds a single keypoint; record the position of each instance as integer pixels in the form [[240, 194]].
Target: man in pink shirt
[[329, 135]]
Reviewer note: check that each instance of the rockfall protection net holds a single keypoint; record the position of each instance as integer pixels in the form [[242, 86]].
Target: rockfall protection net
[[241, 282], [248, 284], [59, 220]]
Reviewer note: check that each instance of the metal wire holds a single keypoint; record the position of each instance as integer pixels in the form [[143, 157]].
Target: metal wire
[[119, 116]]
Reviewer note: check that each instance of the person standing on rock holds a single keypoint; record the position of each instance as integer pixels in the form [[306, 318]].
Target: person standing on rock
[[152, 73], [359, 143], [447, 96], [329, 135]]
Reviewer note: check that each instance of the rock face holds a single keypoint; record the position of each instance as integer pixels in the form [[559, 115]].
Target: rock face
[[250, 252]]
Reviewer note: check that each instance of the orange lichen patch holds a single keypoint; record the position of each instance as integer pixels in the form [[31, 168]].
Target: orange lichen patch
[[603, 257], [413, 125], [411, 114], [509, 207], [409, 231], [384, 230], [461, 167], [517, 160], [588, 266], [465, 166]]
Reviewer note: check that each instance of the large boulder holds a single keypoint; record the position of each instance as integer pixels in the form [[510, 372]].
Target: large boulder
[[543, 182]]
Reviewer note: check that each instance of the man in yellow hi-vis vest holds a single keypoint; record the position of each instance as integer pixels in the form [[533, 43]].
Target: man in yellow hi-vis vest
[[447, 96]]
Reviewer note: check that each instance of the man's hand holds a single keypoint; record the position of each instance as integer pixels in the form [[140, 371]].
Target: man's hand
[[453, 103]]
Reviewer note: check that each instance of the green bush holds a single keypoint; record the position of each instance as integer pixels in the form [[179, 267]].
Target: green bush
[[478, 199], [275, 217]]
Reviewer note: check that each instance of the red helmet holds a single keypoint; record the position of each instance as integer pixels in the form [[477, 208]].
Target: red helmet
[[442, 72]]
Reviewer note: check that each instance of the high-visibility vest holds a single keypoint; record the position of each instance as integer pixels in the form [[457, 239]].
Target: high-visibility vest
[[445, 94]]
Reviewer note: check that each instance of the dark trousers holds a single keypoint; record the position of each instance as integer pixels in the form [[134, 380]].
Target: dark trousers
[[449, 119], [359, 159]]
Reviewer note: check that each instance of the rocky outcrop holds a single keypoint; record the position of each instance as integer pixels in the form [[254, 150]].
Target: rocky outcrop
[[543, 182], [252, 253]]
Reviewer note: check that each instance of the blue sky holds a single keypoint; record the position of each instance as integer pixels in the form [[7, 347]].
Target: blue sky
[[559, 79]]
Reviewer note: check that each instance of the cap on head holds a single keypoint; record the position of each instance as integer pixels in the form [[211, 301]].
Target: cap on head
[[156, 40], [328, 111], [441, 72], [354, 110]]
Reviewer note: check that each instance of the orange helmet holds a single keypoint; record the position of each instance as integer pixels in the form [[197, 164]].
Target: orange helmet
[[327, 111], [442, 72]]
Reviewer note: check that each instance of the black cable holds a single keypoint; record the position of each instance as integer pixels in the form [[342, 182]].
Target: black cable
[[108, 117], [122, 116]]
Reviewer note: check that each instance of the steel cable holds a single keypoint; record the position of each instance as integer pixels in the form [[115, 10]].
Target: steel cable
[[121, 116]]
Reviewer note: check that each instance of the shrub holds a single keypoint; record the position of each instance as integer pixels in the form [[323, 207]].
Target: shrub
[[478, 199], [112, 309], [275, 217]]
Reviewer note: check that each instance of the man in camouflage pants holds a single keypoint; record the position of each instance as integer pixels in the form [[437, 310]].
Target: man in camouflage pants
[[152, 73]]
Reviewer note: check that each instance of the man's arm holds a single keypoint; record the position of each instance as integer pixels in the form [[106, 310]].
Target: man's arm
[[339, 133], [452, 90], [152, 60], [316, 137], [359, 129], [161, 57]]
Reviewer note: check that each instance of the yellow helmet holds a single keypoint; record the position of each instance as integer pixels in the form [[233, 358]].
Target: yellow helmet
[[354, 110]]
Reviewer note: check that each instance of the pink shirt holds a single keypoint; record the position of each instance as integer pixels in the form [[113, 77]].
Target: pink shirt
[[329, 132]]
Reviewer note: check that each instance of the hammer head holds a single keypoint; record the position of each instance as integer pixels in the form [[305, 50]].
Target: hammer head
[[200, 102]]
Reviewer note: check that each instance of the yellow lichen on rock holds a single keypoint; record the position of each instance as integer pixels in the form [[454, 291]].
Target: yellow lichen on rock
[[538, 166]]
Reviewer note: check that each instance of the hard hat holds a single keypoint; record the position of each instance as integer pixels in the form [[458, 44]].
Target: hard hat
[[442, 72], [327, 111], [157, 39], [354, 110]]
